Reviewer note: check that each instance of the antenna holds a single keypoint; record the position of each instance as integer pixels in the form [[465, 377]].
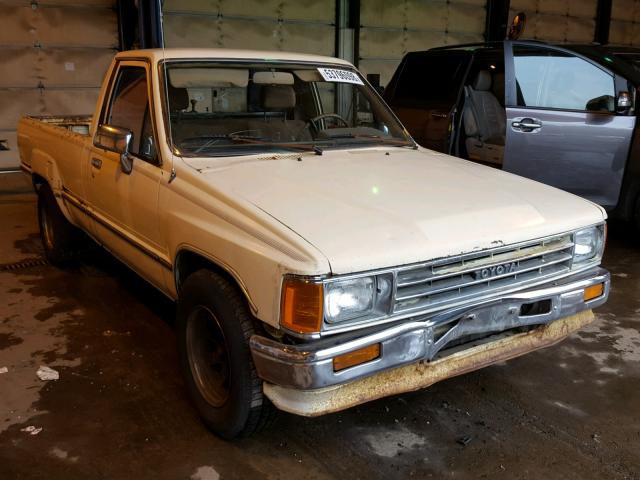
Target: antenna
[[165, 87]]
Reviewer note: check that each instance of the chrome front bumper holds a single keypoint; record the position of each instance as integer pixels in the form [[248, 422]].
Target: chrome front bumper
[[309, 366]]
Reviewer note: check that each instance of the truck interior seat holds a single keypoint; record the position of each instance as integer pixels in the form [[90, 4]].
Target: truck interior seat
[[274, 98], [484, 121], [280, 98], [178, 98]]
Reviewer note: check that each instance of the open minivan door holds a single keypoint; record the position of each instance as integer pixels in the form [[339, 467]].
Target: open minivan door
[[424, 93], [569, 121]]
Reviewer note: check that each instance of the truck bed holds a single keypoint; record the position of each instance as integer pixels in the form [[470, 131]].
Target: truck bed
[[74, 123], [54, 140]]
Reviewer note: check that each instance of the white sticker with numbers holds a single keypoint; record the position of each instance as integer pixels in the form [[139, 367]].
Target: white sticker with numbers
[[337, 75]]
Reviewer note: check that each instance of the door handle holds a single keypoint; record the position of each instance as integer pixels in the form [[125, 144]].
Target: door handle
[[439, 114], [526, 125], [96, 163]]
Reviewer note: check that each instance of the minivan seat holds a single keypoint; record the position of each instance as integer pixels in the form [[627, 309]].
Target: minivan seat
[[484, 121]]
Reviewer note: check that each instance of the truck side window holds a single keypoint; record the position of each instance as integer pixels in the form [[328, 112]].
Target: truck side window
[[129, 109], [553, 79]]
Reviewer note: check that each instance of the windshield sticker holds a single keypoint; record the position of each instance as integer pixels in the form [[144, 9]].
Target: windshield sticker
[[342, 76]]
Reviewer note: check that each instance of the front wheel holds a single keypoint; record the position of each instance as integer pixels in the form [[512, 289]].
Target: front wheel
[[214, 328]]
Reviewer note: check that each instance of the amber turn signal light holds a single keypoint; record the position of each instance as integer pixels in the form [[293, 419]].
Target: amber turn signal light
[[594, 291], [356, 357], [301, 306]]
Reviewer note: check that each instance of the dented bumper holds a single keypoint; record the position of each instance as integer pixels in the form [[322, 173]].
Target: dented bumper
[[301, 378]]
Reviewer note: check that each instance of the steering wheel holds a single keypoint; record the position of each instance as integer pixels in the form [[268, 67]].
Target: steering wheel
[[314, 121]]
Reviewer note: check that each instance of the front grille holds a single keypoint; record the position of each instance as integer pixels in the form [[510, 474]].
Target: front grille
[[459, 279]]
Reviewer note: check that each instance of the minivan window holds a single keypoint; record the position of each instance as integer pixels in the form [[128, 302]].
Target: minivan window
[[430, 77], [552, 79]]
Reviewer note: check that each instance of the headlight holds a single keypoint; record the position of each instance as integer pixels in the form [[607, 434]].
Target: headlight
[[357, 298], [589, 244], [307, 303]]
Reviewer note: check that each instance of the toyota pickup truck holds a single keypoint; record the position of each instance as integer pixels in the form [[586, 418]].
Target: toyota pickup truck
[[318, 256]]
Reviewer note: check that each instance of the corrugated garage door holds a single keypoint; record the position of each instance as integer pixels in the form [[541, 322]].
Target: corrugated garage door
[[296, 25], [53, 55], [625, 22], [557, 20], [391, 29]]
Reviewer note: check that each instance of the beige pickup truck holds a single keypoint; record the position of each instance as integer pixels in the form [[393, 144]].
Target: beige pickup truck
[[319, 257]]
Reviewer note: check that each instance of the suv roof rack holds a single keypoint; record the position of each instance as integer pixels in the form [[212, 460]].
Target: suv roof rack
[[485, 44]]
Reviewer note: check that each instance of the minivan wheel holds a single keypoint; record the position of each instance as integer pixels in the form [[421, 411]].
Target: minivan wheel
[[214, 327], [635, 219], [60, 238]]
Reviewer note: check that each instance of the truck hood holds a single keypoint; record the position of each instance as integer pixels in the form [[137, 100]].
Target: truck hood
[[374, 208]]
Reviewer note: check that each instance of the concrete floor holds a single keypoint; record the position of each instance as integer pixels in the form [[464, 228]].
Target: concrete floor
[[119, 409]]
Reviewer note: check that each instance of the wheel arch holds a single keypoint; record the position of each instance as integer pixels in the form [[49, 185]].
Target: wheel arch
[[188, 261], [629, 197], [38, 181]]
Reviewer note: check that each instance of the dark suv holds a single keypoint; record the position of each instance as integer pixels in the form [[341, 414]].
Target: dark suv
[[562, 115]]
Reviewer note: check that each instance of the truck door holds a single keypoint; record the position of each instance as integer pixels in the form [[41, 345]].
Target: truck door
[[562, 125], [125, 205]]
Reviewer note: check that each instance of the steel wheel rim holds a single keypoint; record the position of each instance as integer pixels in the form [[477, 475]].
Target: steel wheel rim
[[208, 356]]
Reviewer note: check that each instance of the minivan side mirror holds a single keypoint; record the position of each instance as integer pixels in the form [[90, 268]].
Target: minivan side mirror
[[117, 140], [623, 103], [603, 103]]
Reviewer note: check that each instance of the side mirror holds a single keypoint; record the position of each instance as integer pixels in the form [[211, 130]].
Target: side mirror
[[623, 103], [604, 103], [117, 140]]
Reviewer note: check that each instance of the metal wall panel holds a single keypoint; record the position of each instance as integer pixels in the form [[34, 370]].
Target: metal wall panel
[[566, 21], [625, 22], [58, 26], [53, 55], [30, 67], [301, 26], [391, 29]]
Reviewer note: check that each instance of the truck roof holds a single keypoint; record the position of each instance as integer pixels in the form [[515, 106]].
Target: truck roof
[[158, 54]]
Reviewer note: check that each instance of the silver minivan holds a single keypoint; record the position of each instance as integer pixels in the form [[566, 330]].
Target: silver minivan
[[561, 114]]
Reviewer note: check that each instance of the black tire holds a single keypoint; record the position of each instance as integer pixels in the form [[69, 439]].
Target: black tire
[[214, 327], [636, 216], [60, 238]]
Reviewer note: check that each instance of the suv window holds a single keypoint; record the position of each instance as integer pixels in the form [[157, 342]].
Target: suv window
[[552, 79], [430, 77], [129, 109]]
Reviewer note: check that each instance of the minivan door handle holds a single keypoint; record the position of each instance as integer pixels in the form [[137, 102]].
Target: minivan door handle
[[526, 124]]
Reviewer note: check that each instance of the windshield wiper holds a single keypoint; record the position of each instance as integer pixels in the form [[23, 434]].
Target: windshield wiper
[[377, 138], [212, 140]]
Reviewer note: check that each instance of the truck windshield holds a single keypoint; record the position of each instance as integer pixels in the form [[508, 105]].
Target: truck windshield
[[225, 109]]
